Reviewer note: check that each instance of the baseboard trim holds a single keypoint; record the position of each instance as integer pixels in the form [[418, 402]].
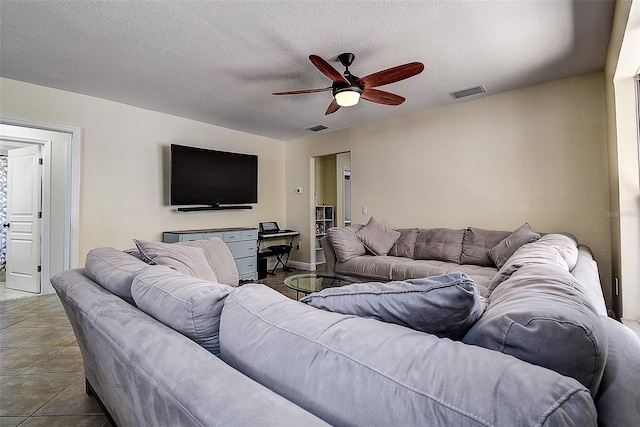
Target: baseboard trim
[[302, 265]]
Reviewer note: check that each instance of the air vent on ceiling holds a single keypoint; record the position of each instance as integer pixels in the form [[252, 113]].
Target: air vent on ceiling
[[468, 92], [318, 128]]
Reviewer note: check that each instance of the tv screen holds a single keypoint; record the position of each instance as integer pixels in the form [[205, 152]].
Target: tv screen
[[209, 177]]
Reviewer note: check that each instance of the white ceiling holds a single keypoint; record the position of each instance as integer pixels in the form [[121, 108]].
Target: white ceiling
[[218, 61]]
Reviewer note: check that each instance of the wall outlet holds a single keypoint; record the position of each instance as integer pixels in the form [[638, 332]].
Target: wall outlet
[[298, 245], [364, 210]]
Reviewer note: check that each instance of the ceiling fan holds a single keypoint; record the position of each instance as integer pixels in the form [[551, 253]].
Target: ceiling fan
[[348, 89]]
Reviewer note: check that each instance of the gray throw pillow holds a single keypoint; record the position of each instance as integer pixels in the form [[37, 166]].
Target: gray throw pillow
[[219, 258], [477, 242], [376, 237], [186, 304], [345, 243], [405, 245], [185, 259], [501, 252], [440, 244], [446, 306]]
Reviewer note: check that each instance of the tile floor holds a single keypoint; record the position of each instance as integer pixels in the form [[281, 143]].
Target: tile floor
[[7, 294], [41, 373]]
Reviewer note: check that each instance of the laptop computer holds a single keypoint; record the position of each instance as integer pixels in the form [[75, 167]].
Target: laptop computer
[[269, 227]]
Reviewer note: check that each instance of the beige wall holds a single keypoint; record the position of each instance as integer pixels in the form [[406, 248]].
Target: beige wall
[[122, 166], [623, 62], [537, 154]]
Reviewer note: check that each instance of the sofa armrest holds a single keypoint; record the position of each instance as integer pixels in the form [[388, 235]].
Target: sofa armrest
[[147, 374], [329, 256]]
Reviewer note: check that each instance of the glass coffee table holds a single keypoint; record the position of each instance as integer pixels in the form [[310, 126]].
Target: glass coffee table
[[308, 283]]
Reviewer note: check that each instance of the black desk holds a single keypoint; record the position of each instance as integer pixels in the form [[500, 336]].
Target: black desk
[[281, 252]]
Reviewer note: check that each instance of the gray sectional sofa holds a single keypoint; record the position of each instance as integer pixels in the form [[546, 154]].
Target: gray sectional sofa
[[427, 252], [168, 338]]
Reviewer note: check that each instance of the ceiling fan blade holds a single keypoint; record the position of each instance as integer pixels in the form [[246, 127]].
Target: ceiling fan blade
[[382, 97], [297, 92], [392, 75], [333, 107], [327, 69]]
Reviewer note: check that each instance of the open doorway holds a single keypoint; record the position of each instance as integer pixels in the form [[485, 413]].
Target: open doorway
[[332, 197], [57, 245]]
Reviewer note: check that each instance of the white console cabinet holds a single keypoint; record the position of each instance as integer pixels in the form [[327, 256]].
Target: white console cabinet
[[242, 242]]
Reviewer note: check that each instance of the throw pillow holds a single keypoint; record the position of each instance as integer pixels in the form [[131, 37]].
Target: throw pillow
[[377, 238], [345, 243], [475, 244], [185, 259], [446, 306], [440, 244], [220, 259], [405, 245], [501, 252], [186, 304]]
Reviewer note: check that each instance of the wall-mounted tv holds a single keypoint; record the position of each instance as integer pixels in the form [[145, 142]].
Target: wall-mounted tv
[[218, 179]]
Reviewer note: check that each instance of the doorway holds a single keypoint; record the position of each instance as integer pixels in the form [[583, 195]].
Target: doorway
[[60, 191], [331, 188]]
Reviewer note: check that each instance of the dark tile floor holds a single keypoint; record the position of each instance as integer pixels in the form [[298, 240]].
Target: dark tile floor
[[41, 372]]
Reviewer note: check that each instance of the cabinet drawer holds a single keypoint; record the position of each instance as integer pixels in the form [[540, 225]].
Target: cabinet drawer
[[242, 249], [246, 266], [210, 235], [249, 234], [190, 237], [232, 236]]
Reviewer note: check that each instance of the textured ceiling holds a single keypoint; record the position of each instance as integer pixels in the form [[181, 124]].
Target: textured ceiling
[[218, 61]]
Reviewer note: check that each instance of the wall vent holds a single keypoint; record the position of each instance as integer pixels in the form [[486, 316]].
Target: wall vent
[[317, 128], [468, 92]]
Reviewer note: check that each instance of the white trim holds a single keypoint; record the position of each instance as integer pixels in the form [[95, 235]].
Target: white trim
[[300, 265], [72, 214]]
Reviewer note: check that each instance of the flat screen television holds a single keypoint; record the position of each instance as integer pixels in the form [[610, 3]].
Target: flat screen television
[[218, 179]]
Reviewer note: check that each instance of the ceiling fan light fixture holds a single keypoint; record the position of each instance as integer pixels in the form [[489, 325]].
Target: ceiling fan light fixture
[[347, 97]]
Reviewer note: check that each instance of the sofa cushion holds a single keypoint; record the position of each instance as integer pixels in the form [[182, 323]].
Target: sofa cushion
[[219, 258], [442, 244], [530, 254], [477, 242], [355, 371], [541, 315], [445, 306], [405, 245], [410, 269], [377, 238], [566, 246], [370, 266], [114, 270], [618, 398], [481, 276], [345, 243], [185, 259], [586, 272], [501, 252], [186, 304]]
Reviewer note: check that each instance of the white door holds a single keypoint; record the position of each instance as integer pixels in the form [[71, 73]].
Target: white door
[[24, 190]]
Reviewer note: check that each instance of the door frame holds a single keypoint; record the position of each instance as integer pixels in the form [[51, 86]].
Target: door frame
[[72, 206]]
